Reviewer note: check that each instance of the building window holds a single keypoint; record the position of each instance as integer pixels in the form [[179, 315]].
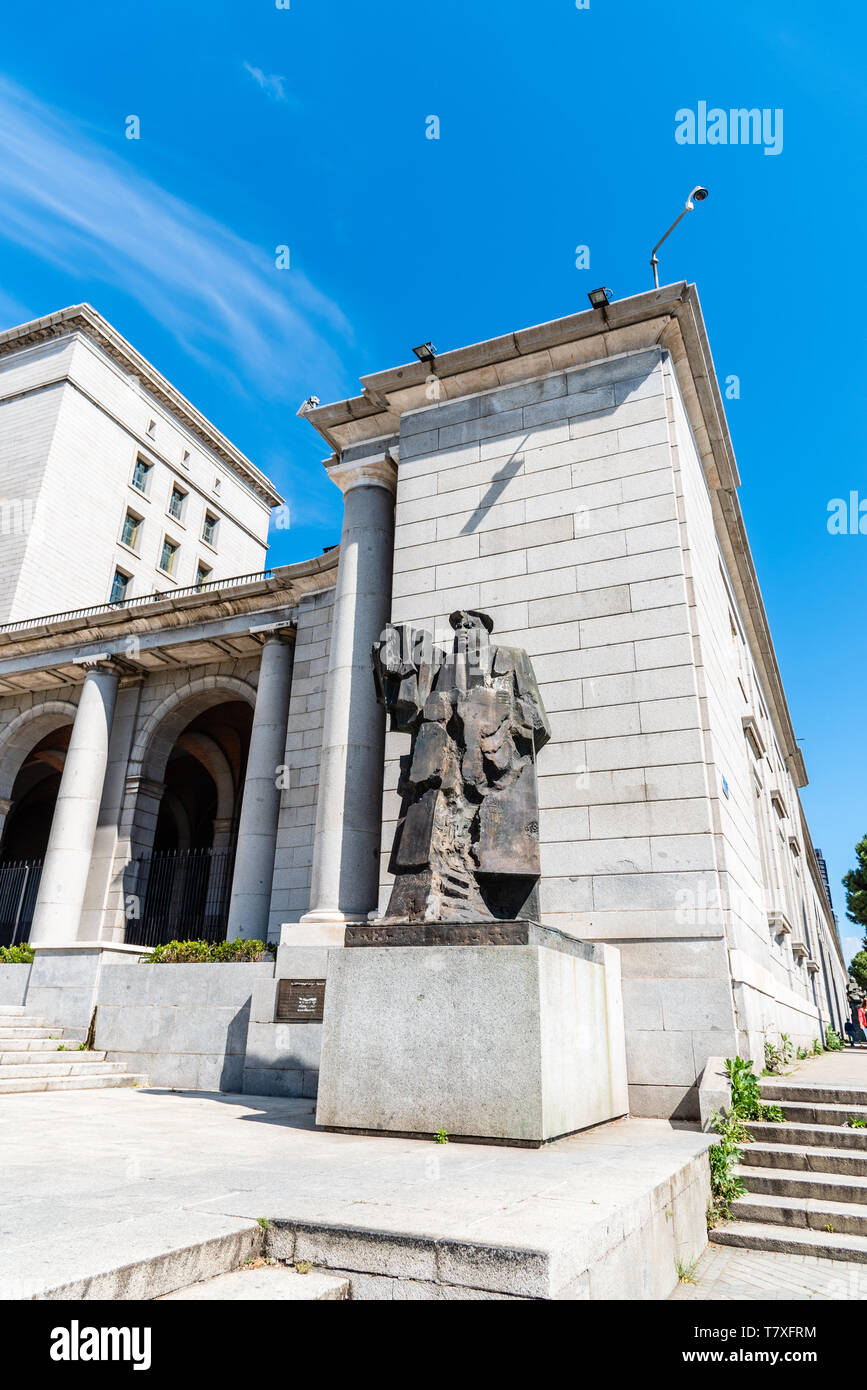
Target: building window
[[176, 502], [218, 485], [203, 574], [152, 428], [209, 530], [168, 556], [141, 475], [185, 458], [119, 587], [131, 530]]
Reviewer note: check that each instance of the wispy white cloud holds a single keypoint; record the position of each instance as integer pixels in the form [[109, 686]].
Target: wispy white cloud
[[273, 86], [82, 209]]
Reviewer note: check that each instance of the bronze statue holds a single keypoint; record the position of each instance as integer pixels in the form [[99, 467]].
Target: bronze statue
[[467, 842]]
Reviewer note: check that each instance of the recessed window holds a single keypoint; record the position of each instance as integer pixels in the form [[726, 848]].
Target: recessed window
[[218, 485], [209, 530], [186, 458], [152, 428], [119, 587], [131, 530], [169, 555], [176, 502], [141, 475], [203, 574]]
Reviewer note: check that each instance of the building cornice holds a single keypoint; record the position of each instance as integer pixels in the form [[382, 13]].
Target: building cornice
[[145, 636], [83, 318]]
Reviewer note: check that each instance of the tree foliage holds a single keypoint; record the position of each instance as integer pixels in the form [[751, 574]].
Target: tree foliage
[[855, 883], [858, 969]]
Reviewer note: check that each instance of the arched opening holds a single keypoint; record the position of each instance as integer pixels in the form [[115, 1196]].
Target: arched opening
[[182, 874], [33, 796]]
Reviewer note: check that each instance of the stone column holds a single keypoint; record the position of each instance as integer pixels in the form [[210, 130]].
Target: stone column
[[345, 878], [73, 827], [260, 806]]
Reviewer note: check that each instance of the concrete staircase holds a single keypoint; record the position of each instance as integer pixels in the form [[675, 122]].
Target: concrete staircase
[[806, 1179], [36, 1057]]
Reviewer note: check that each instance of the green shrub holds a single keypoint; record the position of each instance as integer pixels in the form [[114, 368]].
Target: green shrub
[[746, 1102], [773, 1058], [802, 1054], [787, 1047], [833, 1041], [856, 1122], [16, 955], [817, 1048], [206, 952], [725, 1185]]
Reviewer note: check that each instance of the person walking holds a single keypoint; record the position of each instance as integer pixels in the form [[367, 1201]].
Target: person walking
[[849, 1029]]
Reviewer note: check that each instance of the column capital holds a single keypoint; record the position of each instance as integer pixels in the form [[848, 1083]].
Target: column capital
[[377, 469], [274, 632], [146, 786], [101, 661]]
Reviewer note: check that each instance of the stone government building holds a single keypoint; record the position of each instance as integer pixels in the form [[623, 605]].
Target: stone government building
[[200, 736]]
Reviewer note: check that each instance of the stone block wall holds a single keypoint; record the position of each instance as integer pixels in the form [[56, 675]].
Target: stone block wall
[[13, 985], [290, 897], [573, 508], [185, 1026]]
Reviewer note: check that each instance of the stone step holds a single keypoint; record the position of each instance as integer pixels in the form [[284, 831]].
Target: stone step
[[37, 1046], [813, 1136], [9, 1085], [140, 1258], [807, 1158], [266, 1282], [22, 1030], [11, 1010], [813, 1092], [802, 1213], [821, 1113], [790, 1182], [30, 1057], [63, 1067], [756, 1235]]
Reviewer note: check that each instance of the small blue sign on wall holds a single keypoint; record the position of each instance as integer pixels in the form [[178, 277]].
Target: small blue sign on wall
[[725, 787]]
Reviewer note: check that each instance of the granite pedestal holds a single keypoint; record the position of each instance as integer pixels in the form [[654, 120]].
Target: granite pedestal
[[507, 1031]]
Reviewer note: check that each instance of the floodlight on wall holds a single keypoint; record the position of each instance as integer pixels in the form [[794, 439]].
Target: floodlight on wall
[[699, 194], [600, 298], [425, 352]]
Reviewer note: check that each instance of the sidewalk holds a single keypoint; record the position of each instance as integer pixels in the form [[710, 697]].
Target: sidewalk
[[846, 1068]]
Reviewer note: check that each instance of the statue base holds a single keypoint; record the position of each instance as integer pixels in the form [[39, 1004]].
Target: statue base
[[500, 1032]]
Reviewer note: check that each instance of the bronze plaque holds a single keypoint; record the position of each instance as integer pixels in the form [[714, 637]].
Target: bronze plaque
[[300, 1001]]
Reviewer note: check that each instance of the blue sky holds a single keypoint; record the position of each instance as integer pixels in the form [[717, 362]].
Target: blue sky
[[305, 127]]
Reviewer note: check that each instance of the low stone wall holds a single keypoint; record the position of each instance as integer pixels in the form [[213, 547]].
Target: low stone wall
[[183, 1025], [13, 984], [283, 1058]]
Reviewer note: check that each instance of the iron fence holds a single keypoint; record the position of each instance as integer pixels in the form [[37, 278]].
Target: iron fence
[[19, 884], [178, 895]]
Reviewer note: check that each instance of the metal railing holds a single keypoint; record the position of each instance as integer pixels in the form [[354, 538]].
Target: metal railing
[[19, 884], [210, 586], [178, 895]]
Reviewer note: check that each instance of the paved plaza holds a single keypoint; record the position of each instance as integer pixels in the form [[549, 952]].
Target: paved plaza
[[725, 1272]]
